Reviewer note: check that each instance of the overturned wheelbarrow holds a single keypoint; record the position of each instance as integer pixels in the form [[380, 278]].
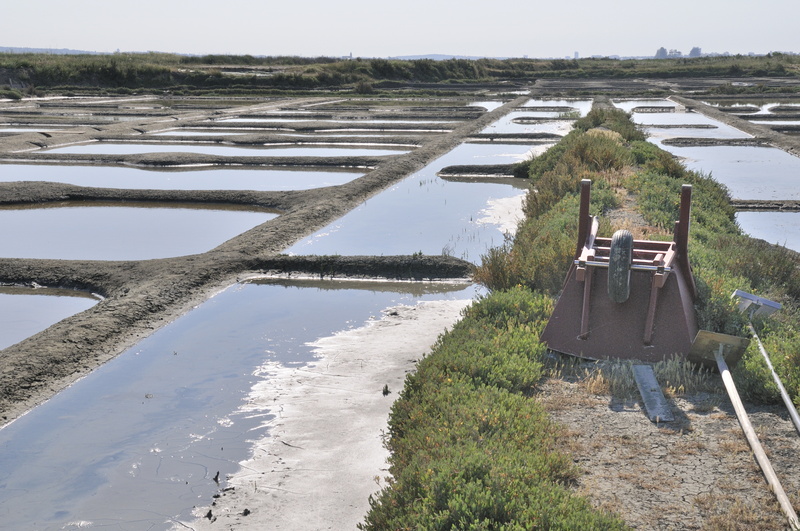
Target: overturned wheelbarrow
[[626, 298]]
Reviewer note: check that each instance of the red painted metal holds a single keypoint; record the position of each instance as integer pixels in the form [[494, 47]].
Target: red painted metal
[[656, 322]]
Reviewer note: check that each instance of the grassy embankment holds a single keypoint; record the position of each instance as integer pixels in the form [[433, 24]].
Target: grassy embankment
[[471, 446], [241, 75]]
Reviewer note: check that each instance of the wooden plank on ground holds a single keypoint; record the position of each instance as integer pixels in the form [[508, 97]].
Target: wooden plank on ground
[[655, 404]]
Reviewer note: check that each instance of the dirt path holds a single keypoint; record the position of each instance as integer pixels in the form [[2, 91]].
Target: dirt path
[[694, 473]]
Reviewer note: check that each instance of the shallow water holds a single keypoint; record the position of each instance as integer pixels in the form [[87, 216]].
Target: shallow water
[[749, 172], [763, 107], [136, 444], [488, 105], [722, 131], [690, 118], [27, 311], [233, 121], [49, 129], [194, 178], [782, 228], [196, 132], [629, 105], [103, 232], [583, 106], [507, 125], [422, 213], [776, 122], [494, 153], [107, 148]]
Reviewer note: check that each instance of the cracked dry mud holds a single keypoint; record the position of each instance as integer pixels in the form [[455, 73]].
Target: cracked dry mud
[[694, 473]]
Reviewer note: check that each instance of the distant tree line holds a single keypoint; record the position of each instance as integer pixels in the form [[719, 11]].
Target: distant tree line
[[662, 53], [123, 72]]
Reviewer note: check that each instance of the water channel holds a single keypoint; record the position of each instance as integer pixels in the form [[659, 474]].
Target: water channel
[[188, 178], [73, 231], [109, 148], [137, 443], [25, 311], [428, 214], [749, 172]]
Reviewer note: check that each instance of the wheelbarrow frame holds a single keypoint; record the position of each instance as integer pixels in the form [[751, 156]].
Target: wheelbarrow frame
[[657, 320]]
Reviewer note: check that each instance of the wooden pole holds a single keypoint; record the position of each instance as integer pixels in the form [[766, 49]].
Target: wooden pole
[[755, 444]]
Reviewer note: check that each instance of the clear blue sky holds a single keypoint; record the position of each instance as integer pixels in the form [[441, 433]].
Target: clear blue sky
[[370, 28]]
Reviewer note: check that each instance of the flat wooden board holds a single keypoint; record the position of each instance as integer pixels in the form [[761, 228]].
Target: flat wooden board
[[655, 404]]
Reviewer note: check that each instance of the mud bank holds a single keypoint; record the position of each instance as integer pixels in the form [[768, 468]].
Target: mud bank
[[325, 456]]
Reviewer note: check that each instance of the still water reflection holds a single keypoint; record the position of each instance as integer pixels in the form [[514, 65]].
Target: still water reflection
[[105, 148], [781, 228], [749, 172], [69, 232], [423, 213], [190, 178], [27, 311], [136, 444]]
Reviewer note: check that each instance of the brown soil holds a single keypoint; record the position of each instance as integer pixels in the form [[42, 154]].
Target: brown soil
[[694, 473]]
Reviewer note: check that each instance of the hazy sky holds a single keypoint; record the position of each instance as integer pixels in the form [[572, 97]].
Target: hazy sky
[[370, 28]]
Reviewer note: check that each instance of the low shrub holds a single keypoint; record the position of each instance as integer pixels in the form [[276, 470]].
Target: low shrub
[[9, 94], [614, 119], [470, 448]]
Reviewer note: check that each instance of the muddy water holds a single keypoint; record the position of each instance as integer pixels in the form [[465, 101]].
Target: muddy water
[[27, 311], [137, 443], [781, 228], [203, 178], [103, 232], [107, 148], [424, 213]]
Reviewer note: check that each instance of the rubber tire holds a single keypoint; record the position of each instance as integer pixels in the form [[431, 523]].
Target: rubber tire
[[619, 266]]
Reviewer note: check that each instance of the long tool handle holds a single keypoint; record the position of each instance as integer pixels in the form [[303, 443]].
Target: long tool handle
[[755, 444], [784, 395]]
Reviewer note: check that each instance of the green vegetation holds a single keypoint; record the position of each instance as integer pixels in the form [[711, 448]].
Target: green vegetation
[[8, 94], [471, 447], [246, 74], [540, 254]]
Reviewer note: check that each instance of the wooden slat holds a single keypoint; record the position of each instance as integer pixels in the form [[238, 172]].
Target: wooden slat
[[655, 404]]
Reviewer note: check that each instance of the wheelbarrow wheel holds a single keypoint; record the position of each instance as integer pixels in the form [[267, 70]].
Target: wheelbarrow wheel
[[619, 266]]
